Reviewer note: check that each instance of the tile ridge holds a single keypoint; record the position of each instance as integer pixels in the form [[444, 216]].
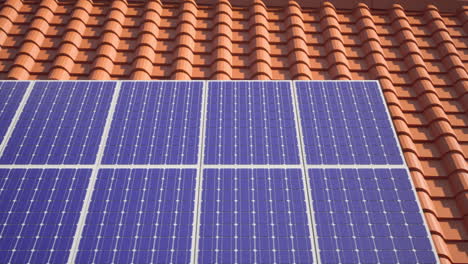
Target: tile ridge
[[143, 66], [183, 60], [439, 122], [71, 41], [221, 58], [32, 43], [448, 53], [298, 54], [8, 15], [463, 17], [398, 114], [109, 41], [259, 42], [333, 41]]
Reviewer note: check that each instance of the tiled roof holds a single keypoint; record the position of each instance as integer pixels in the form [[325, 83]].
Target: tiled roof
[[419, 57]]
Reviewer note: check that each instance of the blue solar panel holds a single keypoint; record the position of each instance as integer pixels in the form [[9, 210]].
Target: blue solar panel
[[61, 123], [11, 94], [254, 216], [39, 212], [368, 216], [140, 216], [155, 123], [346, 123], [250, 123]]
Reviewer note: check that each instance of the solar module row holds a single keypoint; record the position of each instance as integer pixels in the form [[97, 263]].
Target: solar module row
[[247, 216], [158, 123]]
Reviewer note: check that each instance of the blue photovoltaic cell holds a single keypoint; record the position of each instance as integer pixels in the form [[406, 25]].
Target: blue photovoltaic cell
[[11, 94], [250, 123], [39, 212], [61, 123], [254, 216], [368, 216], [346, 123], [155, 123], [140, 216]]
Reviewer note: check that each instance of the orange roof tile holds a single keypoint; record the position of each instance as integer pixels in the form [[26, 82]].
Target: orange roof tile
[[418, 52]]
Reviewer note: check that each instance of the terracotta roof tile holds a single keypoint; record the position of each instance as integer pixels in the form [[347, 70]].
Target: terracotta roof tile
[[418, 52]]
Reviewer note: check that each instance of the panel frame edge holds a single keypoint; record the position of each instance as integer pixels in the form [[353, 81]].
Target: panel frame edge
[[16, 117], [305, 174], [199, 175], [95, 170]]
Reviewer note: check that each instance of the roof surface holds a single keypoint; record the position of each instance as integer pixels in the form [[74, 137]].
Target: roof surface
[[419, 57]]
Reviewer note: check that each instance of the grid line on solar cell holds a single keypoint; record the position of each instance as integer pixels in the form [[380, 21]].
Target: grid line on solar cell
[[139, 216], [254, 216], [61, 123], [346, 123], [250, 123], [369, 216], [155, 123], [40, 209], [11, 96]]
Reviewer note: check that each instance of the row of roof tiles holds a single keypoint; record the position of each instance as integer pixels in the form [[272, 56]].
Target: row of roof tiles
[[419, 57]]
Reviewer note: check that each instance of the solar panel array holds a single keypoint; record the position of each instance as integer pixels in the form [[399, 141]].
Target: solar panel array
[[204, 172]]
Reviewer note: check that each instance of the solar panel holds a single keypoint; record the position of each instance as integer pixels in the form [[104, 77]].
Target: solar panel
[[39, 212], [11, 94], [61, 123], [139, 216], [155, 123], [368, 216], [250, 123], [254, 216], [346, 123]]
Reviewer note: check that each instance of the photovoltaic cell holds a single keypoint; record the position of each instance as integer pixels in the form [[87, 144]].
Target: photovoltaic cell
[[254, 216], [368, 216], [155, 123], [39, 213], [140, 216], [11, 94], [346, 123], [61, 123], [250, 123]]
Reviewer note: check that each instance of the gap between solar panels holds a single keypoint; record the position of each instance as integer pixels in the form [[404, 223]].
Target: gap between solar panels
[[286, 172]]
